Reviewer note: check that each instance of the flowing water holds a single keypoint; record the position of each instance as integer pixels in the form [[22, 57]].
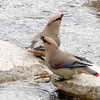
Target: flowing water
[[20, 20]]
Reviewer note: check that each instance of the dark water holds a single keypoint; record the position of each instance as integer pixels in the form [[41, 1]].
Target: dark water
[[20, 20]]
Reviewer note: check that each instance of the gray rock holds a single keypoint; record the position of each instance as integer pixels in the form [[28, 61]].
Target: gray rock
[[92, 3], [16, 64]]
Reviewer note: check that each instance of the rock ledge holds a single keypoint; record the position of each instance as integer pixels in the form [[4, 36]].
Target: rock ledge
[[82, 86], [16, 64]]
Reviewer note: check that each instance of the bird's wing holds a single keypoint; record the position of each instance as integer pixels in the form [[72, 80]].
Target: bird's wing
[[78, 66], [33, 43], [70, 64], [36, 40], [82, 59], [37, 45]]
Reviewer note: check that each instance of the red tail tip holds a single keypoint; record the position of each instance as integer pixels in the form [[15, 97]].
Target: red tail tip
[[30, 51], [97, 75]]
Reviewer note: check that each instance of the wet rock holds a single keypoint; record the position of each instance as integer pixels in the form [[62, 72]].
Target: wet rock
[[92, 3], [16, 64], [86, 87]]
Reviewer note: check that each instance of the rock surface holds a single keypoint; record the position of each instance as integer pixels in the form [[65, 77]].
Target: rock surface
[[83, 86], [92, 3], [16, 63]]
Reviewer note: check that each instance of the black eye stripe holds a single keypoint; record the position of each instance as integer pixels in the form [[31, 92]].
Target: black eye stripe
[[42, 38], [46, 41], [57, 19]]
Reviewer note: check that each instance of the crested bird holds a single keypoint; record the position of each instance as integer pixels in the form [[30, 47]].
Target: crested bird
[[51, 30], [65, 64]]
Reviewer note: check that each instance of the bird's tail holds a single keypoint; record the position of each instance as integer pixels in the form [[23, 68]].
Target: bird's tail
[[89, 71], [96, 74]]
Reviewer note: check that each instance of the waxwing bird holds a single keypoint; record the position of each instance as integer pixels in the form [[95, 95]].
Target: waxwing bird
[[51, 30], [62, 63]]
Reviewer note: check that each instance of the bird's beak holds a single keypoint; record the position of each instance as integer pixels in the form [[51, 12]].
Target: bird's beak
[[62, 15]]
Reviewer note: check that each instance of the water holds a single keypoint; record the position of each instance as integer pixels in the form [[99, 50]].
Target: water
[[31, 90], [20, 20], [26, 90]]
